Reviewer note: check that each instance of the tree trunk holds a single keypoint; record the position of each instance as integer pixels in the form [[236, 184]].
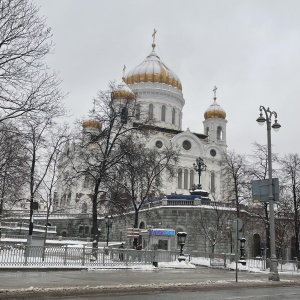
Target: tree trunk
[[95, 220], [136, 225]]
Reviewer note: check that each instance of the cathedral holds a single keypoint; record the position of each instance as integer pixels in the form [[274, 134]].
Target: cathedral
[[158, 92]]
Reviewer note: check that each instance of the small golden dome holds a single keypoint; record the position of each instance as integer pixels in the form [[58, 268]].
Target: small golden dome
[[215, 113], [92, 124], [215, 110], [152, 69], [123, 92]]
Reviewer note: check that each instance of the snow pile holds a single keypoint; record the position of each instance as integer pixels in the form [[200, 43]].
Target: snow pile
[[176, 265]]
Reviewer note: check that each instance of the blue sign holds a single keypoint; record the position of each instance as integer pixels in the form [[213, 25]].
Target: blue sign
[[162, 232]]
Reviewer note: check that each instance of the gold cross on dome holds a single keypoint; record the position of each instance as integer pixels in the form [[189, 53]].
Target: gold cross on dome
[[215, 92], [94, 105], [153, 36], [124, 69]]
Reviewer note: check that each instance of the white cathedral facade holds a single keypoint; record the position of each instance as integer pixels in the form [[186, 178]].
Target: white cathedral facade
[[159, 93]]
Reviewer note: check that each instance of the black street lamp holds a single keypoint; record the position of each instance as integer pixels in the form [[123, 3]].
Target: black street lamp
[[274, 276], [199, 166], [108, 225], [242, 249], [181, 237]]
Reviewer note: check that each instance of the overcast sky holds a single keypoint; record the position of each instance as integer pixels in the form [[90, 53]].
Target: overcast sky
[[249, 49]]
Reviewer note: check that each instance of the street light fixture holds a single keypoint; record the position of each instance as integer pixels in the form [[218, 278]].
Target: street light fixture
[[242, 248], [199, 166], [181, 237], [108, 225], [267, 117]]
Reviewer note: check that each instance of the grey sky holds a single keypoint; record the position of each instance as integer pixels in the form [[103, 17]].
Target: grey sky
[[249, 49]]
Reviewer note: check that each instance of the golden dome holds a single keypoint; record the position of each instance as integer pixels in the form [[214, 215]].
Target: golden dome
[[215, 113], [152, 69], [215, 110], [122, 92], [92, 124]]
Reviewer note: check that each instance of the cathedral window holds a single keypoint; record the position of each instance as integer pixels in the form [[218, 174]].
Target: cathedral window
[[213, 152], [219, 133], [212, 182], [186, 179], [191, 178], [87, 181], [180, 120], [138, 111], [84, 208], [150, 112], [173, 115], [124, 115], [158, 144], [186, 145], [207, 131], [163, 113], [180, 178]]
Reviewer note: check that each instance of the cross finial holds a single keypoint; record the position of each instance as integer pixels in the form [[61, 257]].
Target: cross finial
[[215, 92], [153, 36], [94, 105], [124, 69]]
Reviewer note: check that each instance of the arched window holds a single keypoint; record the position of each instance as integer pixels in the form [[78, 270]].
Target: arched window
[[142, 225], [124, 115], [219, 133], [256, 245], [180, 119], [207, 131], [163, 113], [186, 179], [64, 233], [84, 208], [180, 178], [150, 111], [173, 115], [191, 178], [212, 182], [138, 111]]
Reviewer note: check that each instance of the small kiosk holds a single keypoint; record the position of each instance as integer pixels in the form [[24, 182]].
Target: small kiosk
[[157, 238]]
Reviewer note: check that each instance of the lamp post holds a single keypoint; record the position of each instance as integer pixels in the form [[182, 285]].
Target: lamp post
[[108, 225], [181, 236], [199, 166], [274, 276], [242, 249]]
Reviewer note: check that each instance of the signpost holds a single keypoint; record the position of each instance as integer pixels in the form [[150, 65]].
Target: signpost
[[133, 233], [260, 190]]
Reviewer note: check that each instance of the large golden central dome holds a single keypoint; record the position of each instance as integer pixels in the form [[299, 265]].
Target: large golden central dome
[[152, 69]]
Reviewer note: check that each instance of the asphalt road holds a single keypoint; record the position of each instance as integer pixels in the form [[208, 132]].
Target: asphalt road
[[108, 283]]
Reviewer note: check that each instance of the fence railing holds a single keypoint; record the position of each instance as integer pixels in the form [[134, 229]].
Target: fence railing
[[74, 256], [20, 255], [227, 260]]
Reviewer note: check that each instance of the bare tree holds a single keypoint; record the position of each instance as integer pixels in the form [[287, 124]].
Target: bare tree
[[43, 139], [291, 184], [210, 223], [25, 85], [258, 170], [142, 171], [12, 166], [47, 191], [99, 148], [235, 176]]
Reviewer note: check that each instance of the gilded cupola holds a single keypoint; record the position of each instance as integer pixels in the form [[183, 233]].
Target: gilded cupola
[[152, 69], [122, 92], [92, 123], [215, 110]]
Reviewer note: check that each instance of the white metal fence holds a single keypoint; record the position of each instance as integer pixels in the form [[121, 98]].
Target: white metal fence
[[20, 255]]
